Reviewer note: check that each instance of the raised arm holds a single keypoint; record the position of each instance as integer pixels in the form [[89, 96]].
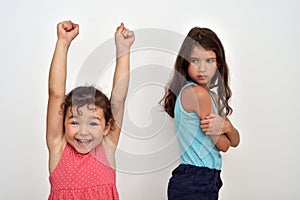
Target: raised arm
[[66, 32], [197, 99], [124, 38]]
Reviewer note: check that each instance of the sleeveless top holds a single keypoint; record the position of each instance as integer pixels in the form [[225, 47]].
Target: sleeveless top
[[196, 148], [83, 176]]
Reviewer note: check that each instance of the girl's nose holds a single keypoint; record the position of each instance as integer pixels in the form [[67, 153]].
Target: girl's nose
[[83, 130], [200, 66]]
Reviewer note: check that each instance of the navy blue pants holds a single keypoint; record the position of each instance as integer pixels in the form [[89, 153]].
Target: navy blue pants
[[197, 183]]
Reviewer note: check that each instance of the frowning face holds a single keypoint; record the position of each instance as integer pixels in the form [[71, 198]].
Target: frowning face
[[203, 65]]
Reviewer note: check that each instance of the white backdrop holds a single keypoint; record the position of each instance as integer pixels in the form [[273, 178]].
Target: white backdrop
[[261, 39]]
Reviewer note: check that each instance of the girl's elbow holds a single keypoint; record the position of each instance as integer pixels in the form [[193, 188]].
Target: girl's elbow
[[223, 144], [235, 143], [224, 148]]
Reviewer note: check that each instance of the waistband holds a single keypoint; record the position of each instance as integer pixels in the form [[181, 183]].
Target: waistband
[[195, 170]]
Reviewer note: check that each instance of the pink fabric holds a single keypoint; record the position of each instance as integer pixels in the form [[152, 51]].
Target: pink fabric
[[83, 176]]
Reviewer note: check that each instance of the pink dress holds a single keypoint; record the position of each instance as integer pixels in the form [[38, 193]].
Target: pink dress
[[83, 176]]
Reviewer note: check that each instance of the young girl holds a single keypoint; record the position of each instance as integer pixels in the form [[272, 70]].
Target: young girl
[[201, 121], [83, 128]]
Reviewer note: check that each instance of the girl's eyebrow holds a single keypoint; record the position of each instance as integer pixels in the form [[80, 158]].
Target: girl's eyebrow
[[192, 57], [95, 117]]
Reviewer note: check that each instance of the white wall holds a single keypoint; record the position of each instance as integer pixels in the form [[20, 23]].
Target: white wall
[[261, 39]]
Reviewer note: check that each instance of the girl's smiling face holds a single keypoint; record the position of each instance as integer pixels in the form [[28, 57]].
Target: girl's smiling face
[[85, 127], [203, 65]]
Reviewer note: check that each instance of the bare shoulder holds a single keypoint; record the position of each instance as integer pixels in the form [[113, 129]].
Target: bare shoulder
[[200, 92], [196, 99], [192, 96]]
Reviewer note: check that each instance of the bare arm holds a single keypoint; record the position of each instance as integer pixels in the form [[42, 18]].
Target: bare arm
[[222, 142], [197, 99], [215, 125], [231, 132], [124, 38], [66, 32]]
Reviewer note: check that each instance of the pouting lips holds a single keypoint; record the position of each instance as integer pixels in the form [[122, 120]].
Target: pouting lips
[[202, 77]]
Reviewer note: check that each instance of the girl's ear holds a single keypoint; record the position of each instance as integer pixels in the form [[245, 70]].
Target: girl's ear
[[107, 127]]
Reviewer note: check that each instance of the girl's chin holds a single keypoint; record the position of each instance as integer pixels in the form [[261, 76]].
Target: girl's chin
[[83, 148], [83, 153]]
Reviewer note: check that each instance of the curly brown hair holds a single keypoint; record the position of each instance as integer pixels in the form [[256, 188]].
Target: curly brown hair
[[88, 95]]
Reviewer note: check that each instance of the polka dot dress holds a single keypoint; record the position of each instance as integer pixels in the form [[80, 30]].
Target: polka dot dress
[[83, 176]]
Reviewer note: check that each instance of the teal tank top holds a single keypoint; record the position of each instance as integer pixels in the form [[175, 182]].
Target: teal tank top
[[196, 148]]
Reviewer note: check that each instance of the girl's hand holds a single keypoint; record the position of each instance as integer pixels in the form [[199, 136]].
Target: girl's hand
[[67, 31], [124, 38], [213, 124]]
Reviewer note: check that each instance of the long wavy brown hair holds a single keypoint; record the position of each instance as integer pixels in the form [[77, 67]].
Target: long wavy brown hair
[[208, 40]]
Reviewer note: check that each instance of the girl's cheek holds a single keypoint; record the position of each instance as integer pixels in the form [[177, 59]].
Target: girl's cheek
[[70, 130]]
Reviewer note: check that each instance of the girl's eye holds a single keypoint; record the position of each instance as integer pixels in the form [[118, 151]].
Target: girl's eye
[[193, 60], [74, 123], [211, 60], [94, 124]]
